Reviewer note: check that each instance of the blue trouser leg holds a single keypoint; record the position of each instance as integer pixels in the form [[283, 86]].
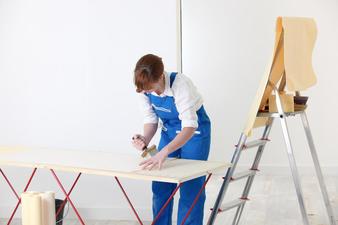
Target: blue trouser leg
[[163, 190], [193, 149], [161, 193], [188, 193]]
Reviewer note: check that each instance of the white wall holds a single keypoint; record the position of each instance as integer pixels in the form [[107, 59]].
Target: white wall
[[66, 72], [227, 46], [66, 80]]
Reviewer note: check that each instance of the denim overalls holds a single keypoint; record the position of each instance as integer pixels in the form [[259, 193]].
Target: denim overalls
[[196, 148]]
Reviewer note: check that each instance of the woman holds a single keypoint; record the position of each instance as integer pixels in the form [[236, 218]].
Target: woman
[[172, 98]]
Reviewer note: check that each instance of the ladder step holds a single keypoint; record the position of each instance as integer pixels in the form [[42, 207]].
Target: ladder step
[[243, 174], [252, 144], [232, 204]]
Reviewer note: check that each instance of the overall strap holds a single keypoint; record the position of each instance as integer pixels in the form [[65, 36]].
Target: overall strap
[[172, 78]]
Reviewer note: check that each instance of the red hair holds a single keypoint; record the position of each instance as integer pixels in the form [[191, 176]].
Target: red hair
[[148, 70]]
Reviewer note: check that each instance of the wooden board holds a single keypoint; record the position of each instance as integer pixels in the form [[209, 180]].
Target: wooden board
[[299, 39], [292, 60], [107, 163]]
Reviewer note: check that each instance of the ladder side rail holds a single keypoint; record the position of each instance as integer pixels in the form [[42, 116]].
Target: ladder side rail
[[291, 158], [319, 173], [227, 179], [254, 166]]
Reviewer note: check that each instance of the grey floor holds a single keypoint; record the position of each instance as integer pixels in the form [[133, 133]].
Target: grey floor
[[273, 202]]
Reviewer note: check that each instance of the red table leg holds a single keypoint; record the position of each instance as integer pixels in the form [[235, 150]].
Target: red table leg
[[161, 211], [65, 200], [131, 205], [67, 196], [167, 202], [16, 194], [125, 194]]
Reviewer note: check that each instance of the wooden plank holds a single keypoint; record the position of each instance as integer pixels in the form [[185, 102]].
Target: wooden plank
[[292, 61], [107, 163]]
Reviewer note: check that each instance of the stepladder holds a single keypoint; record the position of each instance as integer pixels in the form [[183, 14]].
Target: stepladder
[[243, 144], [290, 71]]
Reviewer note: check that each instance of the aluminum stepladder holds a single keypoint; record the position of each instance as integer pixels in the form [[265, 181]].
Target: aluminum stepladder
[[250, 174]]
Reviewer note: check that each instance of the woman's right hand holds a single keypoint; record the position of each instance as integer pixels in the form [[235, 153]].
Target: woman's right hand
[[139, 142]]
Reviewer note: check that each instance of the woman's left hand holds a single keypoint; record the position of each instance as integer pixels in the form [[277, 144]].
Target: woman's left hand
[[156, 160]]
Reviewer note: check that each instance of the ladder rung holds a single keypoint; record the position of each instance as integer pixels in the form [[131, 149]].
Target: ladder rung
[[243, 174], [252, 144], [232, 204]]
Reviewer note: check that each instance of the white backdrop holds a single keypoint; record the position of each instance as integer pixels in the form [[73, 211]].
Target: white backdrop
[[227, 46], [66, 70], [66, 81]]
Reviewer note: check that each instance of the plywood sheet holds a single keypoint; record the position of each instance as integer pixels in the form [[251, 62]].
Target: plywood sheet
[[292, 60], [261, 93], [299, 40], [106, 163]]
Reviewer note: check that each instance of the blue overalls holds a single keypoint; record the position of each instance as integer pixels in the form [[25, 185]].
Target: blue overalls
[[196, 148]]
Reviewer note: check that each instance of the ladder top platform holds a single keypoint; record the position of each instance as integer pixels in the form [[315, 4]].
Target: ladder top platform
[[276, 114]]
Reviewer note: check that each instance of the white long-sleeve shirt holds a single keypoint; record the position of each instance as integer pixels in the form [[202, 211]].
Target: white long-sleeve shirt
[[187, 100]]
